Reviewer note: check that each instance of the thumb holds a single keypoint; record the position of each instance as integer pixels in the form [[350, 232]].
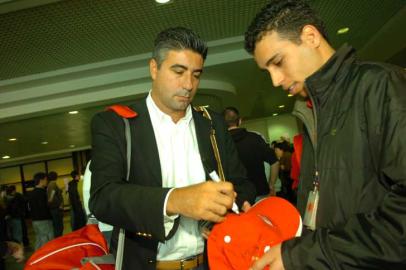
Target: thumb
[[246, 206]]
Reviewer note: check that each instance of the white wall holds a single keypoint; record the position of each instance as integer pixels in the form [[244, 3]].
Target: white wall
[[282, 125], [273, 127]]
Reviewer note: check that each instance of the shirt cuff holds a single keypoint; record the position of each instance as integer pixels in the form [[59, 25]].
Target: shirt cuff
[[168, 220]]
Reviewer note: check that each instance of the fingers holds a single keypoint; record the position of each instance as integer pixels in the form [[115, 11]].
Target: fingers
[[205, 233], [210, 216], [273, 258], [217, 207], [246, 206], [262, 262], [226, 188], [208, 201]]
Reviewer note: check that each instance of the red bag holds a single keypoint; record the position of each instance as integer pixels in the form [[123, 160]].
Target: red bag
[[68, 251]]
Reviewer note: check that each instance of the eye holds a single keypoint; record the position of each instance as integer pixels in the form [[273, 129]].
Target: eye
[[278, 62], [178, 71], [197, 75]]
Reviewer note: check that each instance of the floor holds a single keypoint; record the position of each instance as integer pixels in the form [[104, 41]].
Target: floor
[[10, 262]]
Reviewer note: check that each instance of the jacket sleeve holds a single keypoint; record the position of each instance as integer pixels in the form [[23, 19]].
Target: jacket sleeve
[[268, 154], [113, 200], [374, 240]]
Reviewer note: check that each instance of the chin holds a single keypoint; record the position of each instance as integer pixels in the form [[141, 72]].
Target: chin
[[182, 106], [302, 93]]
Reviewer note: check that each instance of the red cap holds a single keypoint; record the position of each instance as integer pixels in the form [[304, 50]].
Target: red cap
[[240, 239]]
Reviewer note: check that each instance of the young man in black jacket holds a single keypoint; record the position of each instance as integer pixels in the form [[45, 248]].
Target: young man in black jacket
[[253, 151], [40, 214], [352, 195], [78, 215]]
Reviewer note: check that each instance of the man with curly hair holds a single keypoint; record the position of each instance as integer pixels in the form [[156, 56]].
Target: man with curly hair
[[352, 195]]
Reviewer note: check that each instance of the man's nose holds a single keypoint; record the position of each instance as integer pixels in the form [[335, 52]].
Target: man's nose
[[188, 82], [276, 76]]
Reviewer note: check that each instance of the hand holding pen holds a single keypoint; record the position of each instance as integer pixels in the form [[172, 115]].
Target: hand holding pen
[[209, 200], [214, 176]]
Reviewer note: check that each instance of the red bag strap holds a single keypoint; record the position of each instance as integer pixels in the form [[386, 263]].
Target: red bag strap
[[122, 110]]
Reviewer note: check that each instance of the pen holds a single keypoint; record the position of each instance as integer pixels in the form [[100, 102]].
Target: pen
[[214, 176]]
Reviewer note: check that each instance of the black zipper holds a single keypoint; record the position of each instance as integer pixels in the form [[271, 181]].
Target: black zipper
[[316, 181]]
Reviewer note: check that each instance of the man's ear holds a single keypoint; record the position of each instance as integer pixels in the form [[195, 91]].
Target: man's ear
[[153, 68], [311, 36]]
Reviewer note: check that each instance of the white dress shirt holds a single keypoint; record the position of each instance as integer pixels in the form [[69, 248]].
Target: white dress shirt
[[181, 166]]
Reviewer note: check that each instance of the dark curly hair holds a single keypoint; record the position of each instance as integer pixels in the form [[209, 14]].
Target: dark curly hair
[[286, 17], [177, 38]]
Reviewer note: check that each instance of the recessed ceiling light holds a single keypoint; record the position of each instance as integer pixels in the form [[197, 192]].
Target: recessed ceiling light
[[73, 112], [162, 1], [12, 139], [6, 157], [274, 114], [343, 30], [44, 142], [281, 106], [290, 95]]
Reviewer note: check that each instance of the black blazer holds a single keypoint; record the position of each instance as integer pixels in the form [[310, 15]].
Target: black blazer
[[137, 206]]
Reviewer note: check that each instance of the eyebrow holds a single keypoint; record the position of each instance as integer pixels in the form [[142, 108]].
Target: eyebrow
[[186, 68]]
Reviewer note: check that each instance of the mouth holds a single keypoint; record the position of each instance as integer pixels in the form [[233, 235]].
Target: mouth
[[184, 98], [291, 88]]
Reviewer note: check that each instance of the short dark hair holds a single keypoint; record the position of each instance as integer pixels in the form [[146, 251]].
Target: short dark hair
[[177, 38], [231, 116], [287, 18], [52, 176], [38, 177]]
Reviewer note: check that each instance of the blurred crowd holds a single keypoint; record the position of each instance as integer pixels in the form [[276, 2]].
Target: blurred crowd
[[41, 208]]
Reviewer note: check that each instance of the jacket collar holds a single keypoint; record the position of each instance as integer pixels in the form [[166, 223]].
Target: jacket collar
[[203, 127], [321, 81], [320, 86]]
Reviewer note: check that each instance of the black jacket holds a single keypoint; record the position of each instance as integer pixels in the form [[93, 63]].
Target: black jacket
[[38, 204], [79, 216], [359, 149], [16, 206], [253, 152], [137, 206]]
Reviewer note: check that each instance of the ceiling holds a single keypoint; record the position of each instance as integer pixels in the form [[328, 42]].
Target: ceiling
[[58, 56]]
